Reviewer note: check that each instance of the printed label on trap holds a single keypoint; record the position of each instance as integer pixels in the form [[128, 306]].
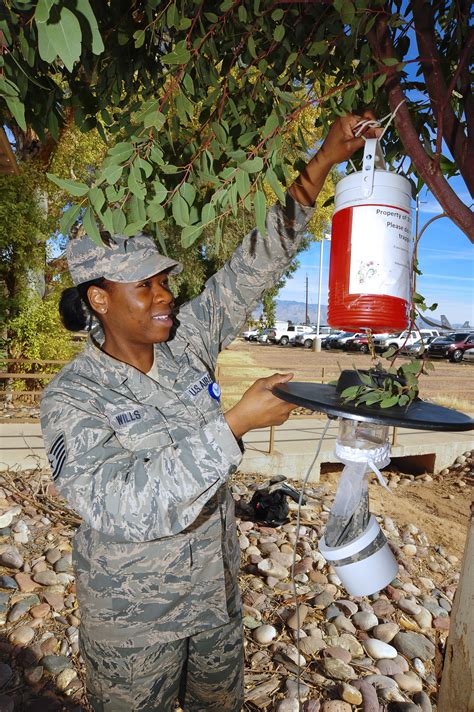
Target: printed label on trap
[[381, 250]]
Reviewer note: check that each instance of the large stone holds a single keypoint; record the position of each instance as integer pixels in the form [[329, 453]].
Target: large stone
[[414, 645], [22, 635], [11, 558], [336, 706], [385, 631], [338, 669], [378, 650], [56, 663], [365, 620], [351, 694]]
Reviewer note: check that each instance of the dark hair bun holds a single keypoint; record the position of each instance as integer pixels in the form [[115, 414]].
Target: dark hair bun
[[72, 310]]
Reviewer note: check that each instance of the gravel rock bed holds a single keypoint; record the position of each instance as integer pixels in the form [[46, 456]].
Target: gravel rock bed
[[368, 654]]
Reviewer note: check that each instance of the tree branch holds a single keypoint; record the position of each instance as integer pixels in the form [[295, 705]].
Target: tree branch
[[429, 171], [449, 126]]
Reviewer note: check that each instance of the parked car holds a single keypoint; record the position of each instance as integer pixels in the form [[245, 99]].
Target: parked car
[[469, 355], [326, 342], [283, 336], [340, 341], [382, 342], [250, 334], [263, 337], [418, 348], [452, 346], [307, 339], [357, 343]]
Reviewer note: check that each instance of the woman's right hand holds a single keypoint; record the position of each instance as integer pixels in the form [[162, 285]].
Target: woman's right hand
[[258, 407]]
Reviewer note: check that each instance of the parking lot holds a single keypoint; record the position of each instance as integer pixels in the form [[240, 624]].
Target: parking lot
[[450, 384]]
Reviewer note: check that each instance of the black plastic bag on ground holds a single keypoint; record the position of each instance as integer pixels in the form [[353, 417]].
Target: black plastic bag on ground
[[269, 505]]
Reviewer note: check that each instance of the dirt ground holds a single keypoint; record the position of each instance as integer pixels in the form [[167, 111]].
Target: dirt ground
[[439, 507]]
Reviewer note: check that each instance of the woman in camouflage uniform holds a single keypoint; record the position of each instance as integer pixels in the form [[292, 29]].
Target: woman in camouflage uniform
[[141, 449]]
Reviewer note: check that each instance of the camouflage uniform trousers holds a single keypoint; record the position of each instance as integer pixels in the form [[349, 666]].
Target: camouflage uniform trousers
[[205, 672]]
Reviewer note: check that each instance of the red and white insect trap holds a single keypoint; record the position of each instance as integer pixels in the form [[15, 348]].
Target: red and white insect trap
[[371, 248]]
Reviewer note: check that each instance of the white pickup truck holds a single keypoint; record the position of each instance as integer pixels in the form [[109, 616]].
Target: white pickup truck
[[382, 342], [283, 335]]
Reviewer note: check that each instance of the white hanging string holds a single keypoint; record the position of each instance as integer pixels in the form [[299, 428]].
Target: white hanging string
[[293, 563], [374, 124]]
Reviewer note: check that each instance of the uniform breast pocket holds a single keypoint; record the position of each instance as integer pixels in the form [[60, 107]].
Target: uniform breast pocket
[[140, 429]]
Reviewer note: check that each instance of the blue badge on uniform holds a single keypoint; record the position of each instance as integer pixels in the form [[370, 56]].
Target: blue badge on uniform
[[214, 390]]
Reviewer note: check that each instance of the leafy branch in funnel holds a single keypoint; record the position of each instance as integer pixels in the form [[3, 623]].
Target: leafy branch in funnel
[[387, 388]]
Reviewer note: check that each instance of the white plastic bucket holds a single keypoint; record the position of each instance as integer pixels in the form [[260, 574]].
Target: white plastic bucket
[[367, 576]]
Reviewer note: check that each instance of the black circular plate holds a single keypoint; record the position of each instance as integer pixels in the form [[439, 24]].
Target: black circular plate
[[418, 415]]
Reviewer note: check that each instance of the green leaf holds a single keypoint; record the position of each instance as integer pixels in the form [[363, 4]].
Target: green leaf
[[139, 37], [68, 218], [270, 176], [208, 214], [18, 110], [180, 210], [144, 166], [389, 402], [190, 234], [318, 48], [133, 228], [252, 165], [119, 221], [90, 226], [65, 36], [155, 211], [390, 61], [260, 204], [251, 47], [70, 186], [242, 181], [111, 174], [279, 33], [347, 12], [96, 199], [160, 191], [188, 191], [83, 6], [43, 10], [350, 393], [180, 55], [136, 186], [8, 89], [121, 152], [107, 220]]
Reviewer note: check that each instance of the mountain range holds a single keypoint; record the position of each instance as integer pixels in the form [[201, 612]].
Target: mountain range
[[295, 312]]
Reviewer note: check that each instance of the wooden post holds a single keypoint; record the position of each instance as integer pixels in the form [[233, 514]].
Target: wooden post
[[271, 446], [456, 693]]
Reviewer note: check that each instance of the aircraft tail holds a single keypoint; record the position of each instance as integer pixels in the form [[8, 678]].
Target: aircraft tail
[[445, 323], [466, 325]]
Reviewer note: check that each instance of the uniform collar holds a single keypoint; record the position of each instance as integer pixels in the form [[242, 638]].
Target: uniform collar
[[114, 372]]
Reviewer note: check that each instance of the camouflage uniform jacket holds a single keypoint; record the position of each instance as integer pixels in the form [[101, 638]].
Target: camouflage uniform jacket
[[145, 462]]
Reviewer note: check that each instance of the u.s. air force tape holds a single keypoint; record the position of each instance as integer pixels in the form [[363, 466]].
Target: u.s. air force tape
[[57, 455], [214, 390]]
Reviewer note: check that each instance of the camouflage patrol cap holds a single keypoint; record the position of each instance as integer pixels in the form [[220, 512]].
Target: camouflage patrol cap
[[122, 259]]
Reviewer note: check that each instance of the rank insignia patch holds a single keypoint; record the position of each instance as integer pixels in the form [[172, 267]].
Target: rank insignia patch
[[57, 455]]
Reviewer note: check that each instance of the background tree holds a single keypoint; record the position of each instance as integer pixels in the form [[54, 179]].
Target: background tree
[[199, 96]]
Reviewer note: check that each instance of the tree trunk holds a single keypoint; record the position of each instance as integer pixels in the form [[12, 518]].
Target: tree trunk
[[457, 684]]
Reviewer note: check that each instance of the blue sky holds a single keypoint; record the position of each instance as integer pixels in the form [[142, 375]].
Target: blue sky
[[445, 255]]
